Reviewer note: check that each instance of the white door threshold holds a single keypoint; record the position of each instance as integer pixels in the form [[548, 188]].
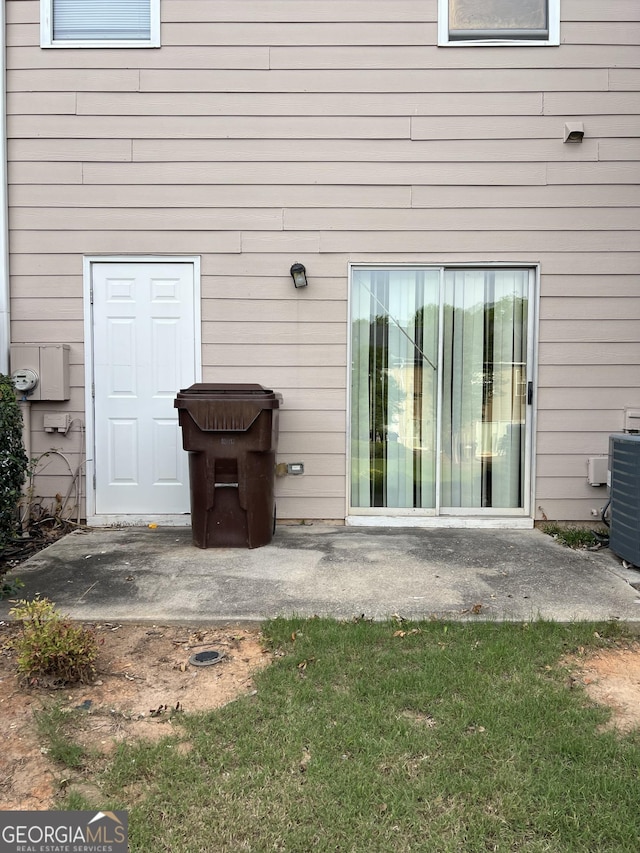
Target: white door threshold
[[441, 521], [180, 520]]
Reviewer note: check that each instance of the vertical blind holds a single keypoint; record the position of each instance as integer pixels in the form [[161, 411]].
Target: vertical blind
[[484, 388], [394, 387], [101, 20]]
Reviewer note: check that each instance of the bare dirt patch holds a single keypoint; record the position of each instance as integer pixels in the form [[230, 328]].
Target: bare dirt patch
[[144, 678], [612, 678]]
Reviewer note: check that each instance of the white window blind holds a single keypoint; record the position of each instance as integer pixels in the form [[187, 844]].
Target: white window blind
[[527, 19], [498, 22], [101, 20]]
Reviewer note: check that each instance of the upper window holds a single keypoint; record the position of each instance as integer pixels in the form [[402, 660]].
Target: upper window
[[100, 23], [498, 22]]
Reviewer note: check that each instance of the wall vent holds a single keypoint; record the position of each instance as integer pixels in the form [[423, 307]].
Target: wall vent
[[624, 472]]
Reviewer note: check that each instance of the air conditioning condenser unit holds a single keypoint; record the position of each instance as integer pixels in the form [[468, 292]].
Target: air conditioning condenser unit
[[624, 482]]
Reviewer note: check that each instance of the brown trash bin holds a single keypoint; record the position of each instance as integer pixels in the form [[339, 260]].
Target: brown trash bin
[[231, 434]]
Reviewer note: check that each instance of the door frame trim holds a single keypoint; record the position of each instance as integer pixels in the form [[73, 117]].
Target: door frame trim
[[93, 520], [412, 517]]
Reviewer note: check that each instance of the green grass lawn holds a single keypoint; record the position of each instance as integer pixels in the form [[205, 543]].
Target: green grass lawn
[[393, 737]]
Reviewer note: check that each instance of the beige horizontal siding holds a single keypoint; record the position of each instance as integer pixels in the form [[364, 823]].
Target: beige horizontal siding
[[307, 506], [315, 465], [285, 33], [102, 219], [49, 309], [327, 219], [305, 381], [324, 486], [444, 219], [477, 241], [358, 57], [354, 57], [265, 132], [115, 242], [254, 196], [598, 33], [567, 467], [298, 444], [601, 421], [589, 287], [21, 58], [281, 334], [592, 330], [591, 103], [298, 80], [28, 331], [593, 309], [235, 131], [29, 287], [571, 488], [627, 79], [577, 443], [286, 104], [589, 398], [397, 149], [311, 399], [460, 174], [279, 312], [307, 355], [562, 377], [284, 11], [588, 353], [591, 10]]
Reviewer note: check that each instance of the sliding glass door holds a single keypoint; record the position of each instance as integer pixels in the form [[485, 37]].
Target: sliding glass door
[[439, 390]]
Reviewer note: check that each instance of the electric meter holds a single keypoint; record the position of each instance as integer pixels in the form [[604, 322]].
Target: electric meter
[[25, 380]]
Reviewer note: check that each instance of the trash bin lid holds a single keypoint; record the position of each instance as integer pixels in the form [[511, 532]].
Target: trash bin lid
[[226, 389], [224, 406]]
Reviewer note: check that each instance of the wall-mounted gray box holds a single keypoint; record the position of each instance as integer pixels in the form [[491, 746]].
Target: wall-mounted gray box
[[597, 467], [632, 419], [50, 362]]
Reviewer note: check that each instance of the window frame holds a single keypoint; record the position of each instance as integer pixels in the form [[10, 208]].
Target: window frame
[[553, 39], [47, 40]]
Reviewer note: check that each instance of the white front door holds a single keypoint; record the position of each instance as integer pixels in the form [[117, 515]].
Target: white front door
[[144, 352]]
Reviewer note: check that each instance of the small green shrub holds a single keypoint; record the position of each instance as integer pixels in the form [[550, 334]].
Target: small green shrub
[[13, 460], [52, 651]]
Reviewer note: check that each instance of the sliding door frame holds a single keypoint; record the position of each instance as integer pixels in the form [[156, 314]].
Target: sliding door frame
[[521, 517]]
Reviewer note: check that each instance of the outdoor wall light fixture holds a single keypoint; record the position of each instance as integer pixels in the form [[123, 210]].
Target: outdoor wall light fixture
[[299, 275], [573, 131]]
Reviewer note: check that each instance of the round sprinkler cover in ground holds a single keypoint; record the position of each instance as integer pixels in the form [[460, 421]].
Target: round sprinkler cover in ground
[[206, 658]]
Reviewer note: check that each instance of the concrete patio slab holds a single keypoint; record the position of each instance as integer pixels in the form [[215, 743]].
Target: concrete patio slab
[[157, 575]]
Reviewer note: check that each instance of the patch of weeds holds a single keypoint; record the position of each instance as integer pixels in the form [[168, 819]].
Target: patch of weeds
[[76, 801], [574, 537], [9, 588], [56, 725], [51, 650]]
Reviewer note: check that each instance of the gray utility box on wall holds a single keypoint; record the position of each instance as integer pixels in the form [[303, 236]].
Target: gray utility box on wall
[[624, 480], [50, 363]]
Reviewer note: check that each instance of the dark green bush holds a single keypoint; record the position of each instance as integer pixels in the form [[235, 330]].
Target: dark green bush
[[13, 460]]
